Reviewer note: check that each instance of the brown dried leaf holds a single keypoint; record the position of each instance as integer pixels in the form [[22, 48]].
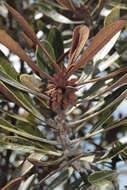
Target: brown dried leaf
[[6, 40], [80, 36], [13, 184], [30, 33], [98, 42]]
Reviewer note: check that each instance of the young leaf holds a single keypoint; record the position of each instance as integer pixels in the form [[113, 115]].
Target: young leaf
[[98, 42], [6, 40], [31, 34], [79, 38]]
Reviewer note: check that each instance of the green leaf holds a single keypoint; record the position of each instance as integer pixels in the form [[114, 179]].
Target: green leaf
[[113, 16], [53, 14], [28, 183], [101, 177], [21, 99], [104, 117], [58, 180], [110, 101], [15, 116], [7, 67], [113, 152], [56, 40], [7, 79], [21, 144], [42, 61], [30, 81], [26, 166], [123, 153], [17, 130]]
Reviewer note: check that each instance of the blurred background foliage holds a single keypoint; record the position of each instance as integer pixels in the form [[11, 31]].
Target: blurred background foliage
[[28, 145]]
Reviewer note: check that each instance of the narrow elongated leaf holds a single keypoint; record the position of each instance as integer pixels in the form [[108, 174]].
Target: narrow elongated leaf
[[55, 39], [22, 148], [26, 166], [13, 184], [25, 145], [67, 4], [6, 40], [113, 152], [15, 129], [6, 67], [79, 38], [56, 16], [28, 183], [4, 90], [121, 82], [31, 34], [101, 177], [42, 61], [58, 180], [117, 98], [21, 99], [15, 116], [104, 118], [5, 78], [98, 42], [106, 49], [112, 16]]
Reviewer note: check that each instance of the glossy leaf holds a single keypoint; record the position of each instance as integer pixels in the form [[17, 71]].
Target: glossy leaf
[[55, 38], [15, 129], [43, 63], [58, 180], [28, 183], [53, 14], [101, 177], [113, 152]]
